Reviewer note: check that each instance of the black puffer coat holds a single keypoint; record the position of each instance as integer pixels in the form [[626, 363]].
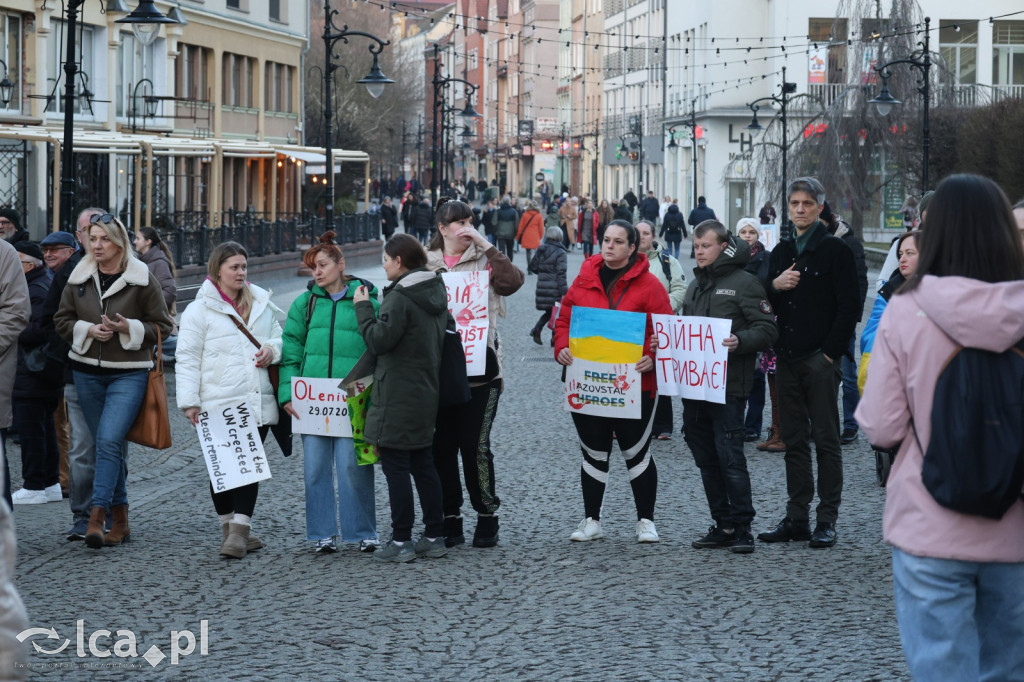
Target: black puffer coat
[[673, 228], [423, 217], [27, 385], [549, 264]]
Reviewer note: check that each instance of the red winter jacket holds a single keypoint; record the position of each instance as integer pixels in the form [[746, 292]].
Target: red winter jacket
[[637, 291]]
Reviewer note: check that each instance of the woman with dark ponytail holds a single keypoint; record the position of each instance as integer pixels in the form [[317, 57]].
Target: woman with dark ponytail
[[157, 257], [458, 247], [618, 278]]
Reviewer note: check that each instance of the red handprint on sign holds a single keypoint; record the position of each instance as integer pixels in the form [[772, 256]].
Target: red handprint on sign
[[471, 312]]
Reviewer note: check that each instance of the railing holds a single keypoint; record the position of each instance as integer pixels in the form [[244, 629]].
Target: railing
[[827, 93], [192, 244]]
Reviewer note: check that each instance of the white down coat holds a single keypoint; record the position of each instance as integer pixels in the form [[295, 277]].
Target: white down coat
[[214, 359]]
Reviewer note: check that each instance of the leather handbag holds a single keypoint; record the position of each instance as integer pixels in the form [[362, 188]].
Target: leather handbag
[[152, 427]]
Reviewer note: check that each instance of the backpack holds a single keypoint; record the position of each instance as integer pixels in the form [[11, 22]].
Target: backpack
[[974, 463], [666, 265]]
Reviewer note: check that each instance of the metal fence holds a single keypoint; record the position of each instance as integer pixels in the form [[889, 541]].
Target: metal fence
[[193, 245]]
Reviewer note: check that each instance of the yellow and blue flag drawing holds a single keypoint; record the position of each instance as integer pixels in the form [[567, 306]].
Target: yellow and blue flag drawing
[[602, 335]]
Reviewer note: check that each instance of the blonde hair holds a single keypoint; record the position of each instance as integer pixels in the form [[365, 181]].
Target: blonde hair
[[221, 253], [118, 236]]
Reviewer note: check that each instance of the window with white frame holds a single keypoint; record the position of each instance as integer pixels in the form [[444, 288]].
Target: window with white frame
[[55, 70], [10, 24], [135, 64], [1008, 53], [958, 44]]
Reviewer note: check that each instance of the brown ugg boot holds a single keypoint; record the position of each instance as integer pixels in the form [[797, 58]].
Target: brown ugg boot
[[774, 442], [119, 532], [94, 534], [253, 544], [236, 541]]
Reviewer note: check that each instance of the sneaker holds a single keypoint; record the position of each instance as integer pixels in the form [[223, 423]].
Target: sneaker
[[425, 547], [849, 436], [25, 496], [54, 493], [715, 539], [589, 529], [743, 542], [751, 437], [325, 546], [78, 530], [369, 545], [645, 531], [396, 553]]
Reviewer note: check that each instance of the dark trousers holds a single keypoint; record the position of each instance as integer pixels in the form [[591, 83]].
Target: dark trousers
[[755, 405], [397, 466], [7, 471], [663, 415], [808, 391], [507, 246], [565, 236], [238, 500], [545, 317], [33, 417], [634, 438], [715, 435], [588, 249], [851, 395], [466, 429]]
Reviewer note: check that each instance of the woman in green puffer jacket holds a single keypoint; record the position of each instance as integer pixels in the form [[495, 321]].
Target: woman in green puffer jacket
[[322, 340]]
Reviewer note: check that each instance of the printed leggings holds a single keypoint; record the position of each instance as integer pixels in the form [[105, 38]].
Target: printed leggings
[[634, 438]]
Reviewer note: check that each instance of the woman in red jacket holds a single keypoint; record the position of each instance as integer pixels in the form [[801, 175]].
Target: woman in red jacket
[[618, 278]]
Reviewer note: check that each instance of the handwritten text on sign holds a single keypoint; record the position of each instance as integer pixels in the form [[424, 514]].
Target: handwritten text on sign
[[322, 407], [232, 446], [602, 389], [691, 361], [468, 304]]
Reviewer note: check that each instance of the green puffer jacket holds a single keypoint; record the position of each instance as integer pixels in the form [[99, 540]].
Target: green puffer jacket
[[330, 345], [406, 338]]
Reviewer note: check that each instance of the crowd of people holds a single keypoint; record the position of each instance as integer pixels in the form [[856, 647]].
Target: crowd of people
[[79, 322]]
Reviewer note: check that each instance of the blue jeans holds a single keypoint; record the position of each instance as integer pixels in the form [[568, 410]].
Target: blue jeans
[[673, 247], [715, 435], [755, 405], [851, 396], [110, 403], [353, 502], [960, 620]]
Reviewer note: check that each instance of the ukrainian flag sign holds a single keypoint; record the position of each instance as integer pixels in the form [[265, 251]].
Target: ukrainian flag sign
[[605, 345]]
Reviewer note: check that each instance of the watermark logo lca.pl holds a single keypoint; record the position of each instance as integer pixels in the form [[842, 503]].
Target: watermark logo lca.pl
[[182, 643]]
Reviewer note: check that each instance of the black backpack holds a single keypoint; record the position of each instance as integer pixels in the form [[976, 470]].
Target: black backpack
[[974, 463]]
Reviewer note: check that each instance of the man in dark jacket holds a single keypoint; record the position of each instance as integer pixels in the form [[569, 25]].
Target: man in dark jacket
[[10, 226], [813, 288], [388, 218], [701, 213], [423, 221], [650, 209], [506, 222], [851, 395], [673, 229], [714, 432], [630, 199]]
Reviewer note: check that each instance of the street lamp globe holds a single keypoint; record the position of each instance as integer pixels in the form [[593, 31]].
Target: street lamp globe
[[885, 101], [145, 21], [375, 80], [755, 127]]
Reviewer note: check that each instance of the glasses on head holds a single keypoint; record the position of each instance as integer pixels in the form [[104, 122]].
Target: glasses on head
[[104, 218]]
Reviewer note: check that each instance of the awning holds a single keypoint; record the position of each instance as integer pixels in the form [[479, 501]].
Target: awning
[[315, 160]]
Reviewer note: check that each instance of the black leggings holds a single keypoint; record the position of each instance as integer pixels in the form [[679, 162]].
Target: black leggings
[[634, 438], [238, 500], [466, 429]]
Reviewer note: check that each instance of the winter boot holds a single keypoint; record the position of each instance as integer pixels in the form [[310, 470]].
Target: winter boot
[[486, 533], [94, 534], [119, 531], [253, 544], [453, 534], [774, 442], [234, 545]]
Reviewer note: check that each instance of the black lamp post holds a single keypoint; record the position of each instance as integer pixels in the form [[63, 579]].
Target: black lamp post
[[375, 81], [672, 144], [884, 102], [439, 84], [755, 128], [145, 22], [149, 103]]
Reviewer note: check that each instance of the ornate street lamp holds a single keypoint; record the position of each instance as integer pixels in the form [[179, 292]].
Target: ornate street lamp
[[755, 128], [439, 84]]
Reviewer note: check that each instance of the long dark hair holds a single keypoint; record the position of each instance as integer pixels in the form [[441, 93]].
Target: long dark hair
[[151, 235], [408, 248], [971, 233], [448, 211], [632, 239]]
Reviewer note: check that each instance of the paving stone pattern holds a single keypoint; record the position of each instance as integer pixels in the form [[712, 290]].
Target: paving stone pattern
[[537, 607]]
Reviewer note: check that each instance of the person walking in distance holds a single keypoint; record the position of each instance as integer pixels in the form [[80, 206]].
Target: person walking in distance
[[814, 291]]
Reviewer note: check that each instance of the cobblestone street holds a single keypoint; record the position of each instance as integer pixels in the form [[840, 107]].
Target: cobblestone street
[[536, 607]]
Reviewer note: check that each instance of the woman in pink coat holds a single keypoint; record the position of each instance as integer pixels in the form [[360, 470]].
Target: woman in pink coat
[[958, 579]]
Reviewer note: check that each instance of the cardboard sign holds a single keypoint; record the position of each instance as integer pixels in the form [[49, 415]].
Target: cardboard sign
[[322, 406], [691, 361], [605, 345], [468, 300], [769, 235], [232, 446]]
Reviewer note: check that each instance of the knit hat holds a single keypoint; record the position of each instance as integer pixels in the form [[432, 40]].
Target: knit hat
[[11, 215], [29, 249]]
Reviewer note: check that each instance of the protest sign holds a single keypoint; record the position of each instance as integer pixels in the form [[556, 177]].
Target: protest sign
[[468, 303], [769, 235], [691, 361], [232, 446], [606, 345], [322, 406]]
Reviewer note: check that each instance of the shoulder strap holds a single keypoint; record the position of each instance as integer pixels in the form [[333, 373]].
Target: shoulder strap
[[666, 266], [310, 305], [245, 331]]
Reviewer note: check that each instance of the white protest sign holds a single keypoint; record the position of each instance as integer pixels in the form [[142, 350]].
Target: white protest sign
[[232, 446], [769, 235], [602, 389], [322, 406], [468, 304], [691, 361]]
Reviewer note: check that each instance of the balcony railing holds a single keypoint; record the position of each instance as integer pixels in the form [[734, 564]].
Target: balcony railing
[[191, 244]]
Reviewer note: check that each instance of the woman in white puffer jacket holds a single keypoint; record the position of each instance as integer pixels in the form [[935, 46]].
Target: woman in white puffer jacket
[[216, 361]]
